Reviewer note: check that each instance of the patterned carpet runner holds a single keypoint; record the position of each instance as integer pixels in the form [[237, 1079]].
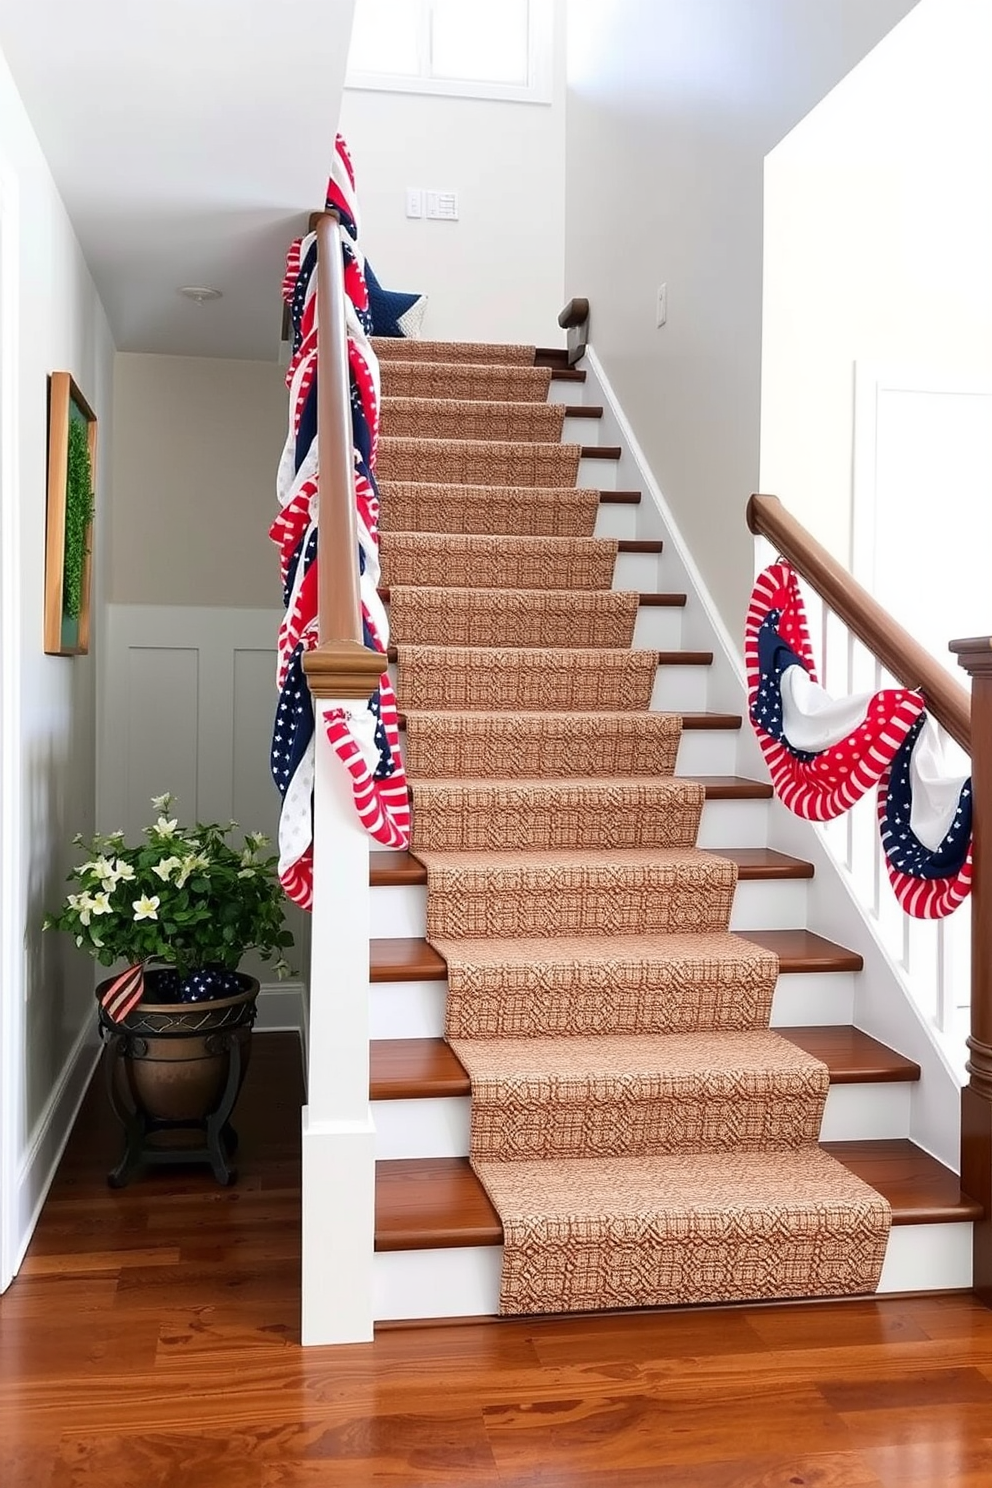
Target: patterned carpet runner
[[644, 1137]]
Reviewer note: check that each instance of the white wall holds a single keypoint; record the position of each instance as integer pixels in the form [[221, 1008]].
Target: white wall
[[495, 274], [52, 320], [671, 109], [196, 445], [878, 246]]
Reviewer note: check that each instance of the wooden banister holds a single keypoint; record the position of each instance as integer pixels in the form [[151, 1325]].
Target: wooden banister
[[969, 721], [341, 666], [894, 647], [975, 656]]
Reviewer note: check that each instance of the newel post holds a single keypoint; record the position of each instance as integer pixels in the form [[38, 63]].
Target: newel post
[[975, 656], [338, 1133]]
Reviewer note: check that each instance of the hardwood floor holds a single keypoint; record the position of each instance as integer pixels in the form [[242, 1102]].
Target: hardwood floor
[[152, 1341]]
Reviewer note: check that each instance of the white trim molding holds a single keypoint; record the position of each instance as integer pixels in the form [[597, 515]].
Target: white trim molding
[[11, 868]]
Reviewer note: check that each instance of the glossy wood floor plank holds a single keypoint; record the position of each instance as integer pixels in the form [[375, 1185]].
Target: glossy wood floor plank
[[123, 1366]]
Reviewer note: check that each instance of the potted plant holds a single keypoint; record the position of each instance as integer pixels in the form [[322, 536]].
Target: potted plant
[[180, 908]]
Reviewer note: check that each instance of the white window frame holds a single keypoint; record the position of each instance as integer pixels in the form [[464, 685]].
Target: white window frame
[[540, 65]]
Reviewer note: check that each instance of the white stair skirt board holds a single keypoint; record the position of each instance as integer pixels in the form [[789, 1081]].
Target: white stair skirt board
[[775, 904], [438, 1126], [416, 1009], [465, 1283], [453, 1282]]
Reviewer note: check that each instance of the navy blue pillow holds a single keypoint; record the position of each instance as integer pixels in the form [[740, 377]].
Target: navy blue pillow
[[393, 314]]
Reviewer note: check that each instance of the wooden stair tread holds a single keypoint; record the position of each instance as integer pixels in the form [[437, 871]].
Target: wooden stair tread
[[708, 720], [727, 787], [411, 959], [600, 452], [716, 787], [689, 720], [432, 1203], [919, 1188], [619, 498], [394, 869], [802, 950], [582, 410], [567, 374], [551, 356], [851, 1056], [437, 1202], [649, 601], [428, 1068], [640, 545]]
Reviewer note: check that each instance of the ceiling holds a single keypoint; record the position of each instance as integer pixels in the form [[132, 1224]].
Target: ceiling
[[189, 140]]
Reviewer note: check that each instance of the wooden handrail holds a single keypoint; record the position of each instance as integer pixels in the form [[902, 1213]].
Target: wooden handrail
[[894, 647], [339, 616]]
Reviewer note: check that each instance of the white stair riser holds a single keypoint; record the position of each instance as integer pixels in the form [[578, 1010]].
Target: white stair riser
[[814, 998], [439, 1127], [581, 431], [573, 393], [597, 475], [460, 1281], [637, 571], [708, 752], [416, 1009], [658, 628], [465, 1282], [614, 521], [680, 689], [733, 824], [401, 910]]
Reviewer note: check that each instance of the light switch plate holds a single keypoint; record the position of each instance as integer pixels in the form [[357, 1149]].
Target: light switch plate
[[414, 201], [443, 205]]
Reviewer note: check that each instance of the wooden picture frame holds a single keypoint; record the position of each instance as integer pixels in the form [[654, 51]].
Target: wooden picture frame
[[67, 624]]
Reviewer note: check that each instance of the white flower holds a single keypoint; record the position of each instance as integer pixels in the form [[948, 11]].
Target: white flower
[[257, 840], [162, 803], [166, 828], [189, 866], [281, 969], [145, 908], [247, 873], [247, 858], [165, 866], [100, 904], [84, 907], [123, 872]]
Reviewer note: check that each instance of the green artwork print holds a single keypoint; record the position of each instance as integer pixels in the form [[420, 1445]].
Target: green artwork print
[[79, 506]]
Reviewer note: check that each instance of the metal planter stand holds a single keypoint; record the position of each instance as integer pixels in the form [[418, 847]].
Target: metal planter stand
[[173, 1068]]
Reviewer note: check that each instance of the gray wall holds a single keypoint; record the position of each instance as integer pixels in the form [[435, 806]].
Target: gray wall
[[196, 445], [672, 107]]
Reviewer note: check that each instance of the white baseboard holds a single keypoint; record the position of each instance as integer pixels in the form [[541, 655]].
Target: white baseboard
[[51, 1132], [282, 1008]]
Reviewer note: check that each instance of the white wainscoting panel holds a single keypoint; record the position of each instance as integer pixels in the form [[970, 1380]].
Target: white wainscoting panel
[[190, 698]]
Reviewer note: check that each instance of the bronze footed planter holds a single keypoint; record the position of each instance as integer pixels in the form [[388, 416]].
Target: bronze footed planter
[[173, 1073]]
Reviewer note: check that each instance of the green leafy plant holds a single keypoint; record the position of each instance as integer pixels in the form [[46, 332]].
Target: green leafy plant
[[183, 896], [78, 516]]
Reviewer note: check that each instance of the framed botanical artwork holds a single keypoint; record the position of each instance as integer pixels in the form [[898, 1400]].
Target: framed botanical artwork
[[69, 530]]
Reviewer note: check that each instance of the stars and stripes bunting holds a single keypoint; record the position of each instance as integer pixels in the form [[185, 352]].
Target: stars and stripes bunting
[[366, 739], [925, 820], [823, 754]]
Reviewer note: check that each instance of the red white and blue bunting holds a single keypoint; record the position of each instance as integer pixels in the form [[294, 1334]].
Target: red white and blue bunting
[[825, 754], [365, 737]]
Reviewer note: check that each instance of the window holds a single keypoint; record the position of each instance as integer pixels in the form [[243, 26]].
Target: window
[[469, 48]]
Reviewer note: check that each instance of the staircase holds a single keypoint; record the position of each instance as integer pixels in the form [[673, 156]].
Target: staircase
[[438, 1238]]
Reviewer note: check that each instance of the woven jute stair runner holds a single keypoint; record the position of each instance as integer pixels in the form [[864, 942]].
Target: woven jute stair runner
[[644, 1137]]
